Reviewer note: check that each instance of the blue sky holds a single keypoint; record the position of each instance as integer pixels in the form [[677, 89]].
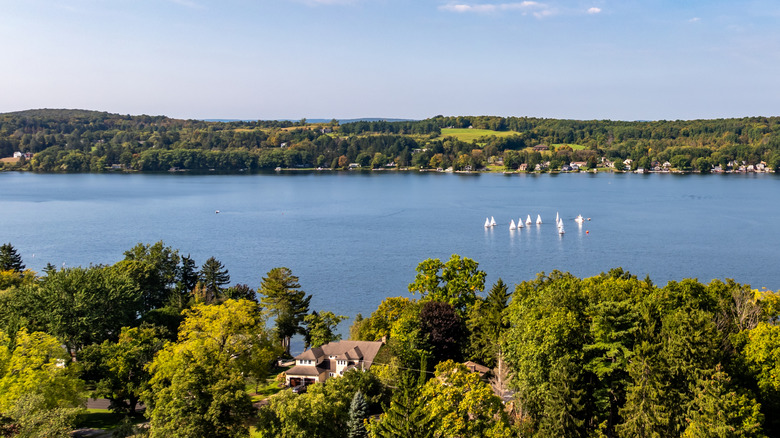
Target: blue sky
[[275, 59]]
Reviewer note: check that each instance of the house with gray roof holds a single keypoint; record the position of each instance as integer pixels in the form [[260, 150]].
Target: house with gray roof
[[331, 360]]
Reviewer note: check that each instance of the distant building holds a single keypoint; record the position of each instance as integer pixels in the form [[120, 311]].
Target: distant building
[[541, 147]]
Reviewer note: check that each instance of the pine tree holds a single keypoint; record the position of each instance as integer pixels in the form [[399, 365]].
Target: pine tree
[[10, 260], [406, 416], [358, 412], [213, 276], [721, 411], [285, 302], [187, 279], [645, 413]]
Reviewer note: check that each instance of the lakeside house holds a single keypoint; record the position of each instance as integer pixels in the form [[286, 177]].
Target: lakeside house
[[331, 360]]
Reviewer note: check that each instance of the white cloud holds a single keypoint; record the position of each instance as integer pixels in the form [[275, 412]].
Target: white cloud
[[694, 20], [538, 9], [594, 10]]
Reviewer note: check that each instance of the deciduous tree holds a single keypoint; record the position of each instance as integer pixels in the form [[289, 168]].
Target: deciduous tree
[[197, 384], [455, 282]]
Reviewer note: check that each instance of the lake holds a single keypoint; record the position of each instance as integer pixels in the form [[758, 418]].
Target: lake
[[355, 238]]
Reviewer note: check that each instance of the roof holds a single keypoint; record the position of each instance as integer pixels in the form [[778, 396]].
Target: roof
[[311, 354], [476, 368], [346, 350], [304, 370]]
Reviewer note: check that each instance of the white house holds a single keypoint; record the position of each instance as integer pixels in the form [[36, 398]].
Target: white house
[[331, 360]]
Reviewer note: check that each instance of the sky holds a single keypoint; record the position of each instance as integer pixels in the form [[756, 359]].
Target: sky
[[290, 59]]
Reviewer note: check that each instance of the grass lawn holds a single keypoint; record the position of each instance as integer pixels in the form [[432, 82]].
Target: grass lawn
[[266, 388], [105, 419], [576, 147], [467, 135]]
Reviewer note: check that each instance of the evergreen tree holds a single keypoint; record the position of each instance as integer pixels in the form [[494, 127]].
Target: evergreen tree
[[563, 402], [213, 275], [285, 302], [719, 411], [644, 413], [187, 279], [358, 412], [10, 260], [486, 325], [406, 416]]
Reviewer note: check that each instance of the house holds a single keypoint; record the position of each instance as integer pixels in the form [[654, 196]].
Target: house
[[523, 167], [627, 162], [477, 368], [578, 164], [354, 166], [331, 360], [541, 147], [17, 155]]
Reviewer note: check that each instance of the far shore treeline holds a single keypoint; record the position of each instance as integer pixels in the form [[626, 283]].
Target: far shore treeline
[[53, 140], [556, 356]]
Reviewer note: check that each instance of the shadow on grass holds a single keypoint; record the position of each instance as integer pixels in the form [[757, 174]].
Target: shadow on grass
[[105, 419]]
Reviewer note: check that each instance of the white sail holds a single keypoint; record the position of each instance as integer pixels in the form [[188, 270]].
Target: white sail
[[556, 217], [538, 219], [528, 220], [520, 223], [492, 221], [579, 219], [487, 223], [512, 225], [561, 230]]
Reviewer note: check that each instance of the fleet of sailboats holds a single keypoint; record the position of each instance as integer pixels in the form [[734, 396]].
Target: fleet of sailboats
[[491, 222]]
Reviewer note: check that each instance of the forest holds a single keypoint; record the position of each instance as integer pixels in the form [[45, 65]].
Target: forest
[[179, 351], [91, 141]]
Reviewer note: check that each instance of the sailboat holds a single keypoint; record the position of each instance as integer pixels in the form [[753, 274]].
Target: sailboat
[[492, 221], [512, 225], [520, 223], [560, 229], [538, 219], [528, 220], [579, 219], [487, 223], [556, 217]]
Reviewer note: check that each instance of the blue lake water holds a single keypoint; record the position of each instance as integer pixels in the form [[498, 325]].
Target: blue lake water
[[356, 238]]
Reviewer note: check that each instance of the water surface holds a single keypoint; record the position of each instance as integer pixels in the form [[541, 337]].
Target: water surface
[[356, 238]]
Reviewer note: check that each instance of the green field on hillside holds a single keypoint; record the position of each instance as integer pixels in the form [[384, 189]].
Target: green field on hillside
[[467, 134]]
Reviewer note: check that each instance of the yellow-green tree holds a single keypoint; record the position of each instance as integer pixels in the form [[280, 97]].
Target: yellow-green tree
[[38, 392], [197, 384], [462, 405]]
